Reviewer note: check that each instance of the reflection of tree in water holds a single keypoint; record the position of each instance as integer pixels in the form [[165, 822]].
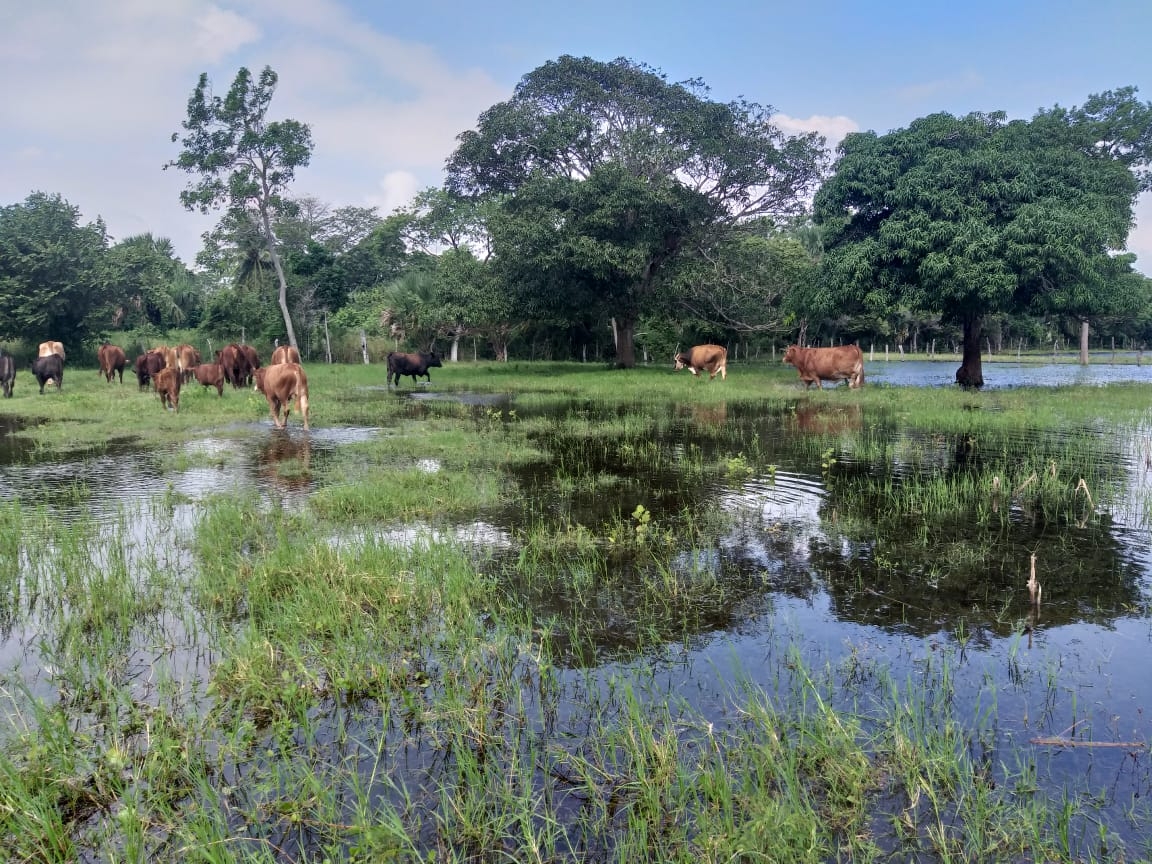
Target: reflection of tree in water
[[285, 460], [925, 572]]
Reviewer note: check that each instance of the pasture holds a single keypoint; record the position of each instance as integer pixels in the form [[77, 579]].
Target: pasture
[[552, 612]]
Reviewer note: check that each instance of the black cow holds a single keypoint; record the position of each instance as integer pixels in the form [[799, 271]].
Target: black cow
[[147, 367], [411, 364], [7, 373], [50, 368]]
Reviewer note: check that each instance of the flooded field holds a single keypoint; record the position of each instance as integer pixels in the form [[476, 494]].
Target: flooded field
[[531, 623]]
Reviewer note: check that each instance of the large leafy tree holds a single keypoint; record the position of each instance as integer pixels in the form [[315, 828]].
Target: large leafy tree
[[148, 284], [51, 277], [608, 173], [973, 216], [244, 161]]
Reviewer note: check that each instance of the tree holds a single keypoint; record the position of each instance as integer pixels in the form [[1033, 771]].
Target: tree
[[608, 173], [244, 161], [51, 279], [147, 283], [972, 216]]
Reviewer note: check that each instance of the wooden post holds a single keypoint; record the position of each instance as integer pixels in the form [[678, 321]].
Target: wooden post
[[327, 340], [364, 346]]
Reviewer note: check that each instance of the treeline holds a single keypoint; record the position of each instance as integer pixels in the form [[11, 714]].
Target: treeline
[[604, 213]]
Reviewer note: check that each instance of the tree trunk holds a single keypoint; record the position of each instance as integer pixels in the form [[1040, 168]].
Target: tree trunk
[[970, 374], [1084, 342], [625, 347], [270, 239]]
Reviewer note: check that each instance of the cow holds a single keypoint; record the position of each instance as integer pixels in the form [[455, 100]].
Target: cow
[[210, 375], [7, 373], [281, 384], [845, 363], [253, 362], [235, 364], [147, 365], [284, 354], [171, 359], [411, 364], [112, 361], [49, 348], [187, 359], [712, 358], [48, 368], [167, 383]]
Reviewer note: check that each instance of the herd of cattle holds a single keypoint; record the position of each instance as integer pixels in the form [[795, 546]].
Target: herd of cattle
[[843, 363], [283, 382]]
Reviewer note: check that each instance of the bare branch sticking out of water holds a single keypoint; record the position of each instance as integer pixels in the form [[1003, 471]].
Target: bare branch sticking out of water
[[1067, 742], [1034, 589]]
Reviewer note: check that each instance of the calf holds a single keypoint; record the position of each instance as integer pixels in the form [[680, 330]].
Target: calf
[[281, 384], [285, 354], [711, 358], [112, 361], [49, 368], [210, 375], [167, 382], [7, 373], [845, 363], [411, 364]]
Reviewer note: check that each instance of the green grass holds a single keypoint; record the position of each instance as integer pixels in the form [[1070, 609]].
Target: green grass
[[251, 689]]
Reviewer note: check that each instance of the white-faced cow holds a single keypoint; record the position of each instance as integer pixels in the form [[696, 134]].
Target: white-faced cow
[[710, 358], [411, 364], [7, 373], [845, 363]]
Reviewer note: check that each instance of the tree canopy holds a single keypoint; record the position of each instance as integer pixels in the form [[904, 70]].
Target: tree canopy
[[608, 174], [244, 161], [975, 215]]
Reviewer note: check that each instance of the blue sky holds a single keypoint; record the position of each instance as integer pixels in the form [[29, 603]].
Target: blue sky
[[93, 89]]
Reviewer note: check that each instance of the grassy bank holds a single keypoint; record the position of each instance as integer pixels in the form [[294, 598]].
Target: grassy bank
[[228, 678]]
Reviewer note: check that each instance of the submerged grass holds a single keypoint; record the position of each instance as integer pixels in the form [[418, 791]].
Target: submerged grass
[[249, 687]]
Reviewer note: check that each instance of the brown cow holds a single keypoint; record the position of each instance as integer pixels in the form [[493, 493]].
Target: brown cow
[[210, 375], [281, 384], [253, 362], [284, 354], [112, 361], [147, 365], [48, 348], [187, 359], [235, 364], [171, 360], [712, 358], [845, 363], [167, 383]]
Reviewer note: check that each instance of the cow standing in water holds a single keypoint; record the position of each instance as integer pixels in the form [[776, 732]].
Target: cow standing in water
[[710, 358], [845, 363], [282, 384], [411, 364]]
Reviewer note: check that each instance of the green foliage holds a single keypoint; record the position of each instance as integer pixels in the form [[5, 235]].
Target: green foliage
[[971, 216], [244, 162], [51, 280], [608, 173]]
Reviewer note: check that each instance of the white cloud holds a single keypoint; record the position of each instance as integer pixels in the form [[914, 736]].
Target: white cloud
[[939, 88], [220, 32], [832, 128], [395, 190], [1140, 240]]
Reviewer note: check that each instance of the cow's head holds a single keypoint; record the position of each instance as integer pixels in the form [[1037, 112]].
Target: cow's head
[[434, 359], [680, 360], [791, 354]]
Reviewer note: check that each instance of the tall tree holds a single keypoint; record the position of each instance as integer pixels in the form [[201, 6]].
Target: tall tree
[[609, 173], [973, 216], [244, 161], [51, 278]]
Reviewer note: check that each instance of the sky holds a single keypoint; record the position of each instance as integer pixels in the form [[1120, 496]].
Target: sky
[[91, 91]]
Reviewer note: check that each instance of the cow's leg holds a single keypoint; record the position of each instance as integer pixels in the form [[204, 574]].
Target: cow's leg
[[302, 404]]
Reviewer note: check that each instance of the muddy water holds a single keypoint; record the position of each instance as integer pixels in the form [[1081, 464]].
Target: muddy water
[[809, 558]]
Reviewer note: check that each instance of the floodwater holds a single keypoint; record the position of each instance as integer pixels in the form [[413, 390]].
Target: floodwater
[[810, 557]]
